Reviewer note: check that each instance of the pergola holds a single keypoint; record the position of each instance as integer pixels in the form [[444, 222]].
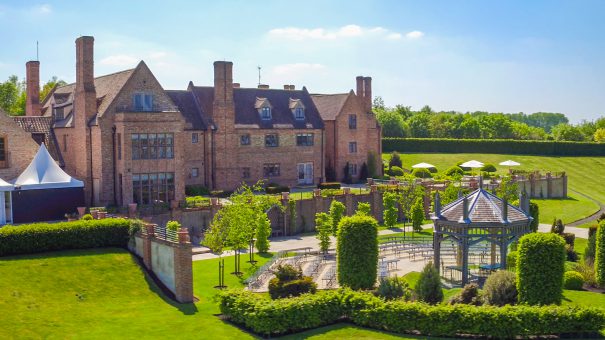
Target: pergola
[[482, 222]]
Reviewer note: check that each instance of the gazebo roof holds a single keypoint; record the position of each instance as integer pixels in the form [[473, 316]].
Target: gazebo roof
[[483, 208]]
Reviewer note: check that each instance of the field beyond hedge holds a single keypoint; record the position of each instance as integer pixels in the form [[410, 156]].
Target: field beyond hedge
[[586, 175]]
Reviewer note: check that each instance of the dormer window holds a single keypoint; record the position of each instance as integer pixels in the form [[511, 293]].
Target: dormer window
[[265, 113], [298, 109], [143, 102], [299, 113], [58, 113]]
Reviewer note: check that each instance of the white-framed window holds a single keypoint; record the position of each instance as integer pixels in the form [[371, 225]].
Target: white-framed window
[[299, 113], [195, 172], [265, 113], [142, 101], [244, 139], [195, 138], [352, 147]]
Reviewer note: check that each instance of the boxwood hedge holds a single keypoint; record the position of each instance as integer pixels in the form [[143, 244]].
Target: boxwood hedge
[[540, 267], [276, 317], [357, 251], [505, 146], [41, 237]]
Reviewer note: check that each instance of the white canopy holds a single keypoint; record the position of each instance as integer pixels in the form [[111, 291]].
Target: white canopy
[[44, 173], [423, 166], [510, 163], [4, 186], [472, 164]]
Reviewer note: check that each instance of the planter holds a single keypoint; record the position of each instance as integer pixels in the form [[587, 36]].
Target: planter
[[71, 219], [95, 214], [132, 209], [102, 214], [81, 211]]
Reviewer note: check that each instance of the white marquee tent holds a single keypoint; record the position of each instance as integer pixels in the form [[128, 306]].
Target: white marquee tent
[[44, 173]]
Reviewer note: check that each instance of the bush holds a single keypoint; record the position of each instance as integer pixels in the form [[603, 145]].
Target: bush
[[428, 286], [421, 173], [557, 227], [396, 171], [276, 189], [173, 225], [489, 168], [277, 317], [501, 146], [391, 288], [534, 212], [364, 209], [390, 212], [357, 249], [41, 237], [570, 254], [570, 238], [432, 170], [589, 251], [337, 210], [599, 263], [469, 295], [454, 170], [395, 160], [500, 289], [87, 217], [540, 268], [511, 259], [196, 201], [196, 190], [573, 280], [329, 185], [417, 214], [289, 281]]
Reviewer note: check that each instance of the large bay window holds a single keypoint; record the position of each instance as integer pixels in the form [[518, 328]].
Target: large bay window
[[153, 188], [152, 145]]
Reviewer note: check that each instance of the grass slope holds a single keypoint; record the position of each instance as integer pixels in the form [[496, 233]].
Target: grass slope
[[585, 176]]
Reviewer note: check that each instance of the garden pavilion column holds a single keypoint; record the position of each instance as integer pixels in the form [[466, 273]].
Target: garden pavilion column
[[437, 247], [464, 245]]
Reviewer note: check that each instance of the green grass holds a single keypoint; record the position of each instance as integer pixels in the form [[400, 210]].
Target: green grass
[[585, 175], [574, 208]]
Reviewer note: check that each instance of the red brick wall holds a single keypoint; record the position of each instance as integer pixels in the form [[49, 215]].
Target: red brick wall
[[20, 148]]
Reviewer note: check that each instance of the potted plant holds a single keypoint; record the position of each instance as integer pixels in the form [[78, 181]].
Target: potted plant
[[95, 213], [71, 217], [81, 211]]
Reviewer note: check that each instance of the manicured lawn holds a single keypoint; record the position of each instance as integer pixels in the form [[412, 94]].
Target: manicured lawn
[[574, 208], [585, 175]]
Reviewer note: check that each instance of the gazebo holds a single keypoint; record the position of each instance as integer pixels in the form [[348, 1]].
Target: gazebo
[[472, 234], [6, 206]]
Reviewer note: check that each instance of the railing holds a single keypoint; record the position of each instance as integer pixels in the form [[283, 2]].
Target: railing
[[165, 234]]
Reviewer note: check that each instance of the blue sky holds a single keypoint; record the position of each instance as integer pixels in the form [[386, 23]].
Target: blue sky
[[510, 56]]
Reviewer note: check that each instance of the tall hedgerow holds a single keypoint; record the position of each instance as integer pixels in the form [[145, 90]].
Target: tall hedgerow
[[357, 250], [389, 201], [599, 263], [337, 210]]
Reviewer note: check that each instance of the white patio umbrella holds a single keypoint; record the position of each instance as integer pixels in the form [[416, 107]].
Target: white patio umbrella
[[472, 164], [423, 166], [510, 163]]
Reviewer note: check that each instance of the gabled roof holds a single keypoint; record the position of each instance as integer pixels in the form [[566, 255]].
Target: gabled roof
[[44, 173], [42, 125], [107, 88], [246, 115], [330, 105], [484, 208], [191, 111]]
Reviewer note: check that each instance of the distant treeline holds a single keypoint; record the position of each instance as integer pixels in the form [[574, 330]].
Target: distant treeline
[[401, 121], [502, 146]]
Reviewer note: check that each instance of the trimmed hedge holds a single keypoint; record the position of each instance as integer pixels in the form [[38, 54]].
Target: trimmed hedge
[[573, 280], [329, 185], [277, 317], [357, 251], [540, 268], [41, 237], [504, 146], [599, 264]]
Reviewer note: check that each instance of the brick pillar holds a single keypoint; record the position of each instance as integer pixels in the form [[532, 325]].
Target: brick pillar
[[285, 199], [532, 185], [183, 271], [348, 201], [564, 177], [376, 201], [318, 204], [548, 185], [214, 206], [148, 235]]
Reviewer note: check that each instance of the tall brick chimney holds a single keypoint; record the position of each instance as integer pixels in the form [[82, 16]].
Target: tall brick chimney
[[359, 91], [367, 94], [223, 81], [223, 115], [32, 80]]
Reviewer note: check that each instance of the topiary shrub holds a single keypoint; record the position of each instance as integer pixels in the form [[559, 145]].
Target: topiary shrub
[[421, 173], [557, 227], [489, 168], [540, 267], [454, 170], [573, 280], [590, 250], [570, 238], [357, 251], [196, 190], [571, 254], [428, 286], [391, 288], [390, 212], [433, 170], [469, 295], [337, 210], [87, 217], [173, 225], [396, 171], [599, 263], [534, 212], [364, 209], [289, 282], [511, 259], [395, 160], [417, 214], [500, 289]]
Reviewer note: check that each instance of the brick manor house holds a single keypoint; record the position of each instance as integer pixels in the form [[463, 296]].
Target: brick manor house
[[130, 140]]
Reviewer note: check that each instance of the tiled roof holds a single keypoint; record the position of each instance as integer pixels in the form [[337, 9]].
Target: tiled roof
[[484, 207], [42, 125], [107, 88], [330, 105], [190, 110], [281, 115]]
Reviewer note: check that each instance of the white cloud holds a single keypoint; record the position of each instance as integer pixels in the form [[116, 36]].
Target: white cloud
[[348, 31], [119, 60], [42, 9], [414, 35], [296, 68]]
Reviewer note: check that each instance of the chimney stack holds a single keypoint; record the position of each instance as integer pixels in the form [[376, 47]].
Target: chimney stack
[[85, 73], [263, 86], [367, 94], [292, 87], [359, 91], [32, 80], [223, 81], [287, 87]]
